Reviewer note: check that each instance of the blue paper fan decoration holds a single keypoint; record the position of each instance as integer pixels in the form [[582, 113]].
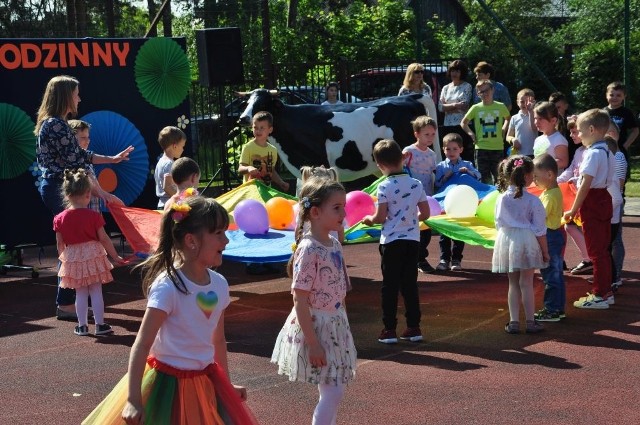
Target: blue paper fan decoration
[[111, 133]]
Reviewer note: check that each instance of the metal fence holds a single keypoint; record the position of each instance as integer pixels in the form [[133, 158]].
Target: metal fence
[[217, 138]]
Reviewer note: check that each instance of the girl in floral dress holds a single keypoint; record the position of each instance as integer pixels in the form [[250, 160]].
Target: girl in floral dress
[[315, 344]]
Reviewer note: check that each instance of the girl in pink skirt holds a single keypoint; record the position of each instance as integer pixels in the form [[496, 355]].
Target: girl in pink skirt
[[82, 248]]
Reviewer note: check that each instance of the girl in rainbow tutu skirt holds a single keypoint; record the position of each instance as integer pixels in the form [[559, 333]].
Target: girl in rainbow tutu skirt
[[178, 372]]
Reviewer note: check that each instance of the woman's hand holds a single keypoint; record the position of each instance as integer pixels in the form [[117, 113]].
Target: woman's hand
[[113, 199], [122, 156], [242, 392], [132, 414]]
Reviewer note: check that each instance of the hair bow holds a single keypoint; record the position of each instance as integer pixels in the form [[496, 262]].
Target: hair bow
[[518, 162], [180, 209], [305, 202]]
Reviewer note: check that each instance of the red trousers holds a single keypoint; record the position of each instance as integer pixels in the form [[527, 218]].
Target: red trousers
[[595, 213]]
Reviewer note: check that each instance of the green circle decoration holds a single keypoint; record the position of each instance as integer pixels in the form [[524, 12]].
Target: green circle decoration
[[162, 72], [17, 141]]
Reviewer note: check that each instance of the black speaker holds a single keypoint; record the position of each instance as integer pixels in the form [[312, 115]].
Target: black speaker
[[219, 56]]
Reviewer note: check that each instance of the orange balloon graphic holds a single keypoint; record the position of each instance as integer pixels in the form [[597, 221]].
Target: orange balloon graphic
[[108, 180]]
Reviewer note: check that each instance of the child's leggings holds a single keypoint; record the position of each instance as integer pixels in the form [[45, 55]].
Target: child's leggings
[[326, 412], [521, 289], [97, 303], [578, 239]]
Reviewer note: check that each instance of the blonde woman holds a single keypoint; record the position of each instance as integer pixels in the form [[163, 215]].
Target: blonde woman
[[414, 82]]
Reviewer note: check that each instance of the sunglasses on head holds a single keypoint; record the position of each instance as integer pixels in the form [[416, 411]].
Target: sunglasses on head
[[483, 91], [418, 71]]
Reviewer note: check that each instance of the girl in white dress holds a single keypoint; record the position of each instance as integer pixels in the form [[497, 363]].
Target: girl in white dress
[[315, 344], [521, 243]]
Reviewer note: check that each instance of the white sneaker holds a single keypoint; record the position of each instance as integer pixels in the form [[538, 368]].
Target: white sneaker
[[442, 265], [616, 285], [610, 298], [455, 266], [591, 301]]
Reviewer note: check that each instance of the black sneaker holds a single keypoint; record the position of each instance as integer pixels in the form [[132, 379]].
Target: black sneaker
[[103, 329], [546, 316], [388, 336], [424, 267], [81, 330], [583, 268], [412, 334]]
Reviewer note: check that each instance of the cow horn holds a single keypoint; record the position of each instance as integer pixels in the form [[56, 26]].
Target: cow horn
[[240, 93], [274, 92]]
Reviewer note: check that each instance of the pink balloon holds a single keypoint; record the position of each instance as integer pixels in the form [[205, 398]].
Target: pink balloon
[[251, 217], [434, 206], [358, 205]]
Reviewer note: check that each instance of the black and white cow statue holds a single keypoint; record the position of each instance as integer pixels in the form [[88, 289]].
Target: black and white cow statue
[[340, 136]]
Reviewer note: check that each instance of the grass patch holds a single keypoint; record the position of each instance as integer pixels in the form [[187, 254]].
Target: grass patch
[[632, 187]]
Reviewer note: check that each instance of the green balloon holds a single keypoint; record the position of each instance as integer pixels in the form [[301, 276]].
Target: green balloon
[[487, 209]]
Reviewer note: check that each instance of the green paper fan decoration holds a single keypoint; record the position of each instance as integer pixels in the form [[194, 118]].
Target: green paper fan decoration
[[17, 141], [162, 72]]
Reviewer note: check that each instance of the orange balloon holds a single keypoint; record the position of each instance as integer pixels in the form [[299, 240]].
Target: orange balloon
[[108, 180], [280, 213]]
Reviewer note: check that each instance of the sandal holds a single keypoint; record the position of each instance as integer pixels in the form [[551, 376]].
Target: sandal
[[512, 327], [533, 327]]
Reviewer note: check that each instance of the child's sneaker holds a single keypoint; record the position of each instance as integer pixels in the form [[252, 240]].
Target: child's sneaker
[[103, 329], [455, 266], [546, 316], [616, 285], [512, 327], [583, 267], [611, 300], [388, 336], [591, 301], [562, 315], [81, 330], [425, 267], [533, 327], [412, 334], [442, 265]]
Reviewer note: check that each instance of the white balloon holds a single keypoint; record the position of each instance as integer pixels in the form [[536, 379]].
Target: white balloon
[[461, 201]]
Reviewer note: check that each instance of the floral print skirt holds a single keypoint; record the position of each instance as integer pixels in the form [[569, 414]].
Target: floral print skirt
[[291, 353]]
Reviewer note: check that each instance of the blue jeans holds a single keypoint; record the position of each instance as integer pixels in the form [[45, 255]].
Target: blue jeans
[[617, 251], [554, 289], [52, 198]]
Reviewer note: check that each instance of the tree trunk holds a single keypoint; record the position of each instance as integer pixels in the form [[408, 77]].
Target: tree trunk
[[166, 20], [293, 14], [151, 5], [81, 18], [266, 45], [71, 18], [110, 15]]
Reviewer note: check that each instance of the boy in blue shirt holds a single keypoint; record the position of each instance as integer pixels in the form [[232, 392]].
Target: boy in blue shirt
[[452, 146]]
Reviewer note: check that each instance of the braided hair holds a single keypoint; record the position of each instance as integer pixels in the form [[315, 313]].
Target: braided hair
[[512, 172], [314, 193]]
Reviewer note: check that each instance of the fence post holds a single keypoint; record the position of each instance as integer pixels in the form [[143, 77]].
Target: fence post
[[343, 75]]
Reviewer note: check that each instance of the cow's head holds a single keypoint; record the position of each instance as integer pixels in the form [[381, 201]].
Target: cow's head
[[259, 100]]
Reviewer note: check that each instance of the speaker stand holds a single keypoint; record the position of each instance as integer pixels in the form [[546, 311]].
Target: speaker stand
[[224, 168]]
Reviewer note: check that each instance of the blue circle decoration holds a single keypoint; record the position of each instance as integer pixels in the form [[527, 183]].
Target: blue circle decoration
[[111, 133]]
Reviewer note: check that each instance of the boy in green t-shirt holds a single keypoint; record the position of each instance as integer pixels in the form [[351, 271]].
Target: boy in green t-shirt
[[490, 120], [258, 157]]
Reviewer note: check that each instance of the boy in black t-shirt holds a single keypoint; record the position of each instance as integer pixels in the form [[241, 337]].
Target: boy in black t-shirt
[[622, 116]]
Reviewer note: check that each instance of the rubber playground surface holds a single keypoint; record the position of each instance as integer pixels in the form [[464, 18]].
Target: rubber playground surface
[[583, 370]]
